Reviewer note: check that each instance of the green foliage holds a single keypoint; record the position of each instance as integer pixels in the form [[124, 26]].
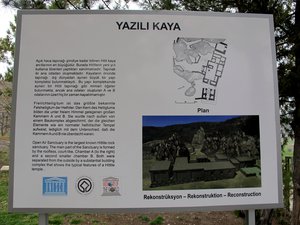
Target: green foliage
[[7, 51], [158, 220], [26, 4], [96, 222], [239, 213], [283, 216], [287, 154], [7, 44], [5, 101], [59, 4], [3, 190], [287, 181], [144, 218], [76, 221], [6, 91], [4, 158], [166, 5], [8, 75], [56, 221]]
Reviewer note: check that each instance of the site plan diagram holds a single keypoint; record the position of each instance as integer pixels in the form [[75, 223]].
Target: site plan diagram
[[200, 62]]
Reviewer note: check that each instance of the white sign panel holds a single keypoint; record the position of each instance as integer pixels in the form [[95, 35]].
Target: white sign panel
[[139, 110]]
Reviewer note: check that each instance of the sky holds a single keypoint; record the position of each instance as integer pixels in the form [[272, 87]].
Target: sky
[[6, 15], [162, 121]]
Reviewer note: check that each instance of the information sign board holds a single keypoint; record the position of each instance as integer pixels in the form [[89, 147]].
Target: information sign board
[[141, 110]]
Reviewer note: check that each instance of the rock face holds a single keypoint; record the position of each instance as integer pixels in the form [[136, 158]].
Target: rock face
[[198, 139], [198, 143], [232, 145]]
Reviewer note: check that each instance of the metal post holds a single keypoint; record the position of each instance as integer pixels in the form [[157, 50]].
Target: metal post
[[250, 217], [43, 219]]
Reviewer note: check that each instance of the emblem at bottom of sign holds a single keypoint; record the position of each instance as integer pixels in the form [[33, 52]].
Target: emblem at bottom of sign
[[111, 186], [55, 186], [84, 185]]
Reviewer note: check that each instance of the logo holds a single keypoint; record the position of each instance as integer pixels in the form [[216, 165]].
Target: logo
[[55, 185], [84, 185], [111, 186]]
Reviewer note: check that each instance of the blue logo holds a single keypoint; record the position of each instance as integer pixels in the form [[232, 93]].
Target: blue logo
[[55, 185]]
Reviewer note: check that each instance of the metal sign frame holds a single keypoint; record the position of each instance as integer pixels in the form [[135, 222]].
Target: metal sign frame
[[135, 47]]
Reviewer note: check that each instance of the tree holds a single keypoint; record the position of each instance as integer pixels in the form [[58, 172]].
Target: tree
[[296, 120], [7, 48], [5, 106]]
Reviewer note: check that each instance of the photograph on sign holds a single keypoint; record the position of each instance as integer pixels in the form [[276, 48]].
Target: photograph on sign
[[209, 153], [153, 110]]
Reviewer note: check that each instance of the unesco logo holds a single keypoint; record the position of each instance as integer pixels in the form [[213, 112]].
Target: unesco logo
[[55, 186], [84, 185]]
